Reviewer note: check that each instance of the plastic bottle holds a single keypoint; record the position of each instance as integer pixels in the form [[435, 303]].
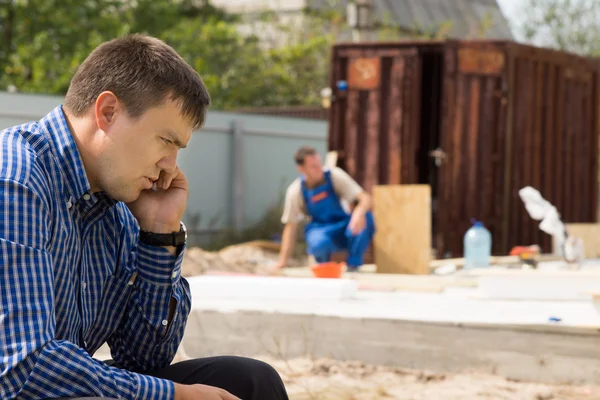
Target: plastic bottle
[[477, 246]]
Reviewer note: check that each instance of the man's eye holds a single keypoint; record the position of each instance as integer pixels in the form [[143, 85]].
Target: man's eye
[[167, 141]]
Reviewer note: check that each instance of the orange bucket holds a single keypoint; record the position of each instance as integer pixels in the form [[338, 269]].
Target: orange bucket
[[327, 270]]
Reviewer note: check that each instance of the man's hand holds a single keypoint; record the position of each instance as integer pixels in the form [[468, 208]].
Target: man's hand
[[276, 268], [358, 222], [161, 210], [201, 392]]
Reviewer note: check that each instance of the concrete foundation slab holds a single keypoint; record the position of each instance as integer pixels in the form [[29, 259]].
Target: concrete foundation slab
[[546, 341], [553, 341], [514, 352], [533, 285], [244, 288]]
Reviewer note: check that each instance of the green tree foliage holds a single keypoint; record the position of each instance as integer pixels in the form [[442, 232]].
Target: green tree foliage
[[570, 25], [239, 71], [43, 42], [274, 60]]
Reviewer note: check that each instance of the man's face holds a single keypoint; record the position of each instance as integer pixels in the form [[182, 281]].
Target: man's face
[[312, 169], [135, 151]]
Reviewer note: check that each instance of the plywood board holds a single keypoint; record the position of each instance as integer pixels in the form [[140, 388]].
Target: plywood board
[[402, 242], [590, 234]]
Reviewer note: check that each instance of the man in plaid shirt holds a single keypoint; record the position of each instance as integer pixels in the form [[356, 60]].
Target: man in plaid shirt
[[91, 242]]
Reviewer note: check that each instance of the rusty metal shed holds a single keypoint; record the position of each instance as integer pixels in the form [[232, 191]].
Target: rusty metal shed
[[477, 120]]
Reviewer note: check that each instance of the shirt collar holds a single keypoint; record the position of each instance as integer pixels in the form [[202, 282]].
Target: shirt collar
[[69, 159]]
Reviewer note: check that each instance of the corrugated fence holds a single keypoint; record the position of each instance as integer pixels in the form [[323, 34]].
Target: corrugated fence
[[238, 166]]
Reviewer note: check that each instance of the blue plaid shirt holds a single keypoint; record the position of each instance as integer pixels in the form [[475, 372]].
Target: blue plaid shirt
[[73, 276]]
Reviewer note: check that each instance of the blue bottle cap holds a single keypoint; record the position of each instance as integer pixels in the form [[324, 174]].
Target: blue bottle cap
[[476, 223]]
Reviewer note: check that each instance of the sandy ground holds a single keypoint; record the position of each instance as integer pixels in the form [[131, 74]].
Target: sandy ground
[[248, 258], [326, 379]]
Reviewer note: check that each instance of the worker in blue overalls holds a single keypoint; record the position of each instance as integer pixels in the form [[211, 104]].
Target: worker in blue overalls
[[338, 211]]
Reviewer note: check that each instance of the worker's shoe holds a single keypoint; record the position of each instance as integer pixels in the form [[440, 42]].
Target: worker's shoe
[[352, 269]]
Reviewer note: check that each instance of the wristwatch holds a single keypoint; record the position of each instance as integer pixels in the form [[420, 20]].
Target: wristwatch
[[165, 239]]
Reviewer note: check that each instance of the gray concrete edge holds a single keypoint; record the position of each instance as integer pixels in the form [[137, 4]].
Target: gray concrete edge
[[551, 354]]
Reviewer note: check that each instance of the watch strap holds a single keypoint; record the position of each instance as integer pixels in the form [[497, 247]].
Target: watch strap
[[164, 239]]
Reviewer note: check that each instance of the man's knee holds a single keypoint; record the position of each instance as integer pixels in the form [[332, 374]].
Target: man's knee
[[264, 372], [250, 367], [318, 243], [254, 376]]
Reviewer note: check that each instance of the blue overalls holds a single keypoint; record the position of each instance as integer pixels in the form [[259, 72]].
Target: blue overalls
[[328, 231]]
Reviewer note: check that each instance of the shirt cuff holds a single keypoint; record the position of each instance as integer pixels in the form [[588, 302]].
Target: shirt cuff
[[157, 265], [154, 388]]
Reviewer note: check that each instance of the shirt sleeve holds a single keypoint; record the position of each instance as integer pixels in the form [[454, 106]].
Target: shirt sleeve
[[294, 204], [146, 340], [346, 187], [34, 364]]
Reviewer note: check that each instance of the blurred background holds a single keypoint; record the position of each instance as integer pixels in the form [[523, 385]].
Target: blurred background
[[444, 110]]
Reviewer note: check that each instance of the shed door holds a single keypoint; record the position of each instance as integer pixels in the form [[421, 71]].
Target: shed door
[[375, 121], [471, 181]]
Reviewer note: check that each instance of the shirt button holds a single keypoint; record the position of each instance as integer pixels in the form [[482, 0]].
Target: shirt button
[[174, 274], [83, 285], [84, 343], [165, 322], [69, 204], [86, 197]]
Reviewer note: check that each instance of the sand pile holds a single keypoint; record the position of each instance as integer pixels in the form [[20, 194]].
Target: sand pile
[[326, 379], [247, 258]]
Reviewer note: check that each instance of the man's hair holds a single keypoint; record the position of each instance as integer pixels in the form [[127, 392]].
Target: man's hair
[[141, 71], [302, 153]]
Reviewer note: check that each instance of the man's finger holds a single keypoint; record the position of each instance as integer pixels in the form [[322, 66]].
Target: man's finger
[[165, 179]]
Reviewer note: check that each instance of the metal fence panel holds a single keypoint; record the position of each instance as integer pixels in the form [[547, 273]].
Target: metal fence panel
[[233, 183]]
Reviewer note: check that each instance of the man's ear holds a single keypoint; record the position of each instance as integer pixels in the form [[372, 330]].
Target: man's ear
[[106, 108]]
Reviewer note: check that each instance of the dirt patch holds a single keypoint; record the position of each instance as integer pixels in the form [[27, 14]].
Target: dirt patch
[[326, 379], [247, 258]]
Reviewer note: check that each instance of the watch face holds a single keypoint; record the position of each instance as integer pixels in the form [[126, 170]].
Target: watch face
[[184, 229]]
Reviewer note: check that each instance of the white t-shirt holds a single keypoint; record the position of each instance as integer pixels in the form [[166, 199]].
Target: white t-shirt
[[345, 187]]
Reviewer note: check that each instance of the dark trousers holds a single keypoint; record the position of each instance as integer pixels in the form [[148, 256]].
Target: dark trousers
[[245, 378]]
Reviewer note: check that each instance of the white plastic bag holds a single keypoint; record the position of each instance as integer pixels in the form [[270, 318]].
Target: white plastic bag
[[541, 210]]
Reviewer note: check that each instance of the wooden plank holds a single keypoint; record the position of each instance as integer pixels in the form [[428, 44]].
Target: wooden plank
[[367, 280], [396, 122], [590, 234], [351, 135], [494, 260], [477, 61], [402, 243], [371, 168]]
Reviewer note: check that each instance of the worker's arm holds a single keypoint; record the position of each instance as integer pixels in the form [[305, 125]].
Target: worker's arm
[[363, 203], [358, 220], [288, 243], [292, 214], [348, 189]]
